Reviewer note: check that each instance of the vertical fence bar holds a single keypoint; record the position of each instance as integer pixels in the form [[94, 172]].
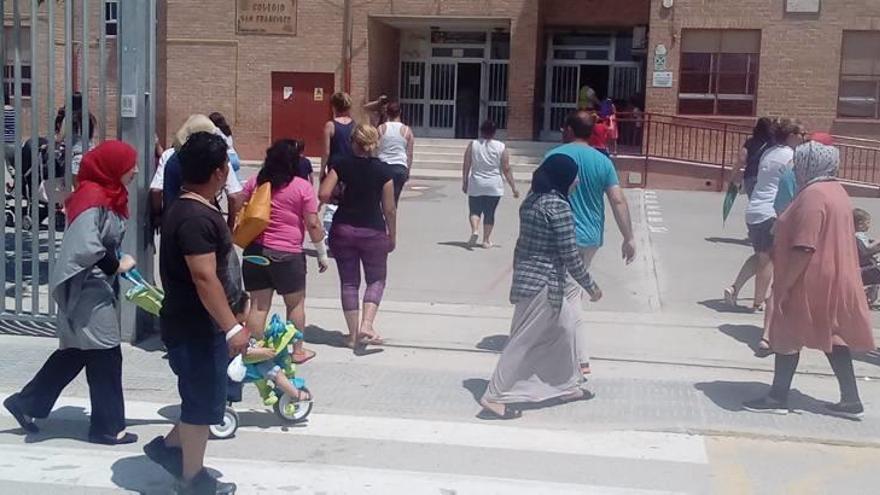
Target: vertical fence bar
[[723, 158], [84, 76], [6, 143], [68, 96], [17, 188], [50, 152], [36, 163], [102, 71], [646, 142]]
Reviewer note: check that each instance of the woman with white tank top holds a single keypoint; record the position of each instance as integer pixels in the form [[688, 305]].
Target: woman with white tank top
[[396, 147], [485, 161]]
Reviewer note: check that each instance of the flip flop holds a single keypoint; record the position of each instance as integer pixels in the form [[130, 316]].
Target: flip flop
[[309, 356], [490, 415], [586, 395], [762, 351], [374, 340]]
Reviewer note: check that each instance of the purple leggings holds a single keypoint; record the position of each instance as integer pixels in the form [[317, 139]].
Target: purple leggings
[[351, 247]]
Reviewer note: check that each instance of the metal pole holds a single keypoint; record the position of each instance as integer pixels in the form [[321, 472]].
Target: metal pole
[[17, 188], [102, 73], [346, 45], [6, 165], [134, 121], [36, 164], [50, 135], [84, 86], [68, 96]]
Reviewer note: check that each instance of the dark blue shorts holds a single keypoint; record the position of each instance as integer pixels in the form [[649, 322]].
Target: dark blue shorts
[[200, 366]]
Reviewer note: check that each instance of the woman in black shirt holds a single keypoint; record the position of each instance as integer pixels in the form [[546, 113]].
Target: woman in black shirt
[[364, 231]]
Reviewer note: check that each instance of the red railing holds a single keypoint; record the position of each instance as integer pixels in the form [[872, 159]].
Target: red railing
[[714, 143]]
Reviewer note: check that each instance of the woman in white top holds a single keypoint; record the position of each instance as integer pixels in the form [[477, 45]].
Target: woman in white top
[[396, 144], [485, 160]]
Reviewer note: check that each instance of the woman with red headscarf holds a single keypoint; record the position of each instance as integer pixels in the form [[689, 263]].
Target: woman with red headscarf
[[82, 282]]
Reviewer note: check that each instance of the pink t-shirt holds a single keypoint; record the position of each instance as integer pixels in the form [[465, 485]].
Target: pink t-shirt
[[290, 205]]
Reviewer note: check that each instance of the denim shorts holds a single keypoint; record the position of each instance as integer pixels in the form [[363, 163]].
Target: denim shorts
[[761, 235], [200, 366]]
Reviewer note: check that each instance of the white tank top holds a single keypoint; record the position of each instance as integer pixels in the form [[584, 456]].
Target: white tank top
[[392, 146], [485, 178]]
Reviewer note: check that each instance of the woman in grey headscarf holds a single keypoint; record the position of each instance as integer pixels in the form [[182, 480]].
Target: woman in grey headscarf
[[539, 362], [818, 300], [82, 285]]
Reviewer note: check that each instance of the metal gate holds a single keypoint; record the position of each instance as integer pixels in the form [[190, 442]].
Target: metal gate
[[442, 96], [60, 99], [496, 110], [626, 80], [562, 96], [412, 93]]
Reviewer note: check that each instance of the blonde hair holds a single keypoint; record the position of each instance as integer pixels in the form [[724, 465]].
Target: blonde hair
[[341, 102], [195, 123], [366, 137]]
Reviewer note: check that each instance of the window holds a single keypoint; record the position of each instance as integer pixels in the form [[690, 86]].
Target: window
[[859, 95], [9, 63], [111, 18], [719, 72]]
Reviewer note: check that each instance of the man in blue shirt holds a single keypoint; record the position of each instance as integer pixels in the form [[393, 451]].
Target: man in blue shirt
[[597, 178]]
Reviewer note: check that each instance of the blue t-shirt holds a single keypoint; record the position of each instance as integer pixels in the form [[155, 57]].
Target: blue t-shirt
[[172, 181], [596, 173], [786, 192]]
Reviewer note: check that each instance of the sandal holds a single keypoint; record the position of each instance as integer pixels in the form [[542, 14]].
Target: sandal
[[371, 340], [583, 396], [306, 356], [730, 297], [763, 349], [490, 415]]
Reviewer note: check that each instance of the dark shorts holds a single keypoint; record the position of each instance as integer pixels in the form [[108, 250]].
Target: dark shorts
[[749, 185], [200, 366], [484, 206], [399, 174], [285, 274], [761, 236]]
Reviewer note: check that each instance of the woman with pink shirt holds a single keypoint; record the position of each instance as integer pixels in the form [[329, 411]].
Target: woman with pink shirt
[[294, 210]]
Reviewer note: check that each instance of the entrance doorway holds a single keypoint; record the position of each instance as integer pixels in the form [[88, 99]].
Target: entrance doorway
[[596, 77], [467, 100], [300, 107]]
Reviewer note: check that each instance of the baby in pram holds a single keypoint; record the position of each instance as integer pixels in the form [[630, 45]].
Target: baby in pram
[[868, 251]]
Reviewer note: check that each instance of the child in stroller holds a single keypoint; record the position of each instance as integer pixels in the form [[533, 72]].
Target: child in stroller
[[269, 366], [31, 164], [868, 251]]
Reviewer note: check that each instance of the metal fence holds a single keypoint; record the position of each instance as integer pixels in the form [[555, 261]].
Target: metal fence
[[68, 66]]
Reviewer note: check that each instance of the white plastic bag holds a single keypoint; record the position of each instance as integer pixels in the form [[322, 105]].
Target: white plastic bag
[[236, 369]]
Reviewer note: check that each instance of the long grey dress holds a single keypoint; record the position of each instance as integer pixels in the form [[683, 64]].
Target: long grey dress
[[87, 316]]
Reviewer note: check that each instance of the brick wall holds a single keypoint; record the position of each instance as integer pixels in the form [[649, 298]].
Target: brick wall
[[800, 55], [384, 48], [604, 13]]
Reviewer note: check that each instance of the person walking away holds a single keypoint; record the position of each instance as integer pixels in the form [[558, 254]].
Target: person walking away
[[485, 161], [172, 176], [600, 136], [220, 121], [539, 362], [337, 146], [294, 210], [761, 216], [83, 283], [304, 168], [818, 300], [396, 144], [363, 233], [376, 110], [597, 178], [749, 157], [198, 326]]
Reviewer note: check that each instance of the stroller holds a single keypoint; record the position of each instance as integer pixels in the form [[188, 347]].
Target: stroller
[[31, 164], [281, 337]]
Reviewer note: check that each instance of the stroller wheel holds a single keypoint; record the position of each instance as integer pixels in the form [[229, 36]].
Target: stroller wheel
[[293, 411], [229, 426]]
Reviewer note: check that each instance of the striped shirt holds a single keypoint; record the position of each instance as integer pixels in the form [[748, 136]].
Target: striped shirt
[[8, 124], [546, 250]]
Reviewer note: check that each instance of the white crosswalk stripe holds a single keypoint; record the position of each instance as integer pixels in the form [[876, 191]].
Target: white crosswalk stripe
[[96, 468]]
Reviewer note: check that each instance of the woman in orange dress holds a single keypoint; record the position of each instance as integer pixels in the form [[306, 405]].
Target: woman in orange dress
[[818, 300]]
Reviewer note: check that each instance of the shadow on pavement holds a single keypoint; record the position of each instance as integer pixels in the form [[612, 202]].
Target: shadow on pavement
[[731, 395], [728, 240], [493, 343], [872, 357], [458, 244], [749, 335], [69, 423], [320, 336], [721, 307], [140, 475], [476, 386]]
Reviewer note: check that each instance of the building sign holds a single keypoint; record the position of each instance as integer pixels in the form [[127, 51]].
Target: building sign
[[802, 6], [662, 79], [319, 94], [287, 93], [660, 62], [268, 17]]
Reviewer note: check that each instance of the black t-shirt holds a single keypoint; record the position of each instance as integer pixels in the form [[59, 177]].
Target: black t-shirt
[[754, 149], [363, 180], [191, 228]]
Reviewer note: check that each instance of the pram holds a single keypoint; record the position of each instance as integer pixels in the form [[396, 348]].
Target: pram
[[28, 195], [279, 336]]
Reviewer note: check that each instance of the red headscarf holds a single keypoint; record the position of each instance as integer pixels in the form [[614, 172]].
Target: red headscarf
[[100, 180]]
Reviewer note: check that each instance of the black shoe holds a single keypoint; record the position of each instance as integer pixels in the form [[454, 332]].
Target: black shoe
[[766, 405], [113, 440], [848, 410], [204, 484], [26, 422], [170, 458]]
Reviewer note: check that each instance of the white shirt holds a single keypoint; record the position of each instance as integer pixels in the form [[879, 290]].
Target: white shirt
[[773, 164], [485, 178], [392, 146], [233, 185]]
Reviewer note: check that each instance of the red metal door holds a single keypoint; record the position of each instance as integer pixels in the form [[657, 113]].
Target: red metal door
[[301, 106]]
